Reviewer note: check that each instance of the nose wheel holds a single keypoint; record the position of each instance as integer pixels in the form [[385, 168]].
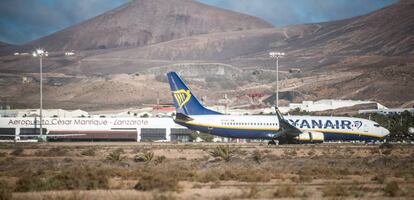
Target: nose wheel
[[271, 142]]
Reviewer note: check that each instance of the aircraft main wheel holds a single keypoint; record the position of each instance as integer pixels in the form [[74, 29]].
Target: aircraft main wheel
[[271, 142]]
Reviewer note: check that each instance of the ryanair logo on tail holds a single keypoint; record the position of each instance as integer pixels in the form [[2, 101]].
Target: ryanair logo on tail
[[182, 97]]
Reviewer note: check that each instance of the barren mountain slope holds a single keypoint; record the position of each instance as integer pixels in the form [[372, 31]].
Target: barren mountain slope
[[143, 22], [367, 57], [388, 31], [3, 44]]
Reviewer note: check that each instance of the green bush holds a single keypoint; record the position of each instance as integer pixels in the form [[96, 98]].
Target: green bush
[[145, 157], [224, 152], [115, 156]]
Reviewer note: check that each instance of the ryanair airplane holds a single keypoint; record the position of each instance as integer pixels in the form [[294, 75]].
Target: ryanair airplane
[[286, 130]]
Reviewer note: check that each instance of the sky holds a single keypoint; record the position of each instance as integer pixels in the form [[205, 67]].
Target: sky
[[22, 21]]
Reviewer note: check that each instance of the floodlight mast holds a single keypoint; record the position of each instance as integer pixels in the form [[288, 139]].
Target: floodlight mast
[[41, 53], [277, 55]]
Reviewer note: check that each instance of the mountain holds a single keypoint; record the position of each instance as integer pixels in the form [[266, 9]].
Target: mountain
[[368, 57], [144, 22], [3, 44], [388, 31]]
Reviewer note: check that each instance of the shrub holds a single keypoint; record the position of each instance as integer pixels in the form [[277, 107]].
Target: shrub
[[386, 151], [207, 176], [392, 189], [115, 156], [163, 196], [224, 152], [386, 145], [156, 181], [89, 152], [311, 152], [82, 178], [285, 191], [380, 178], [305, 179], [257, 156], [245, 174], [251, 193], [159, 159], [290, 152], [144, 157], [52, 152], [333, 190], [5, 191], [386, 148], [17, 151]]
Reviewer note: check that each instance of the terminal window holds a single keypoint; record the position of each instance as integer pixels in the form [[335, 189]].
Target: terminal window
[[7, 131], [31, 131], [153, 134], [181, 134]]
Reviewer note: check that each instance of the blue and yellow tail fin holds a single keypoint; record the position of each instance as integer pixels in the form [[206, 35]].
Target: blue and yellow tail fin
[[184, 100]]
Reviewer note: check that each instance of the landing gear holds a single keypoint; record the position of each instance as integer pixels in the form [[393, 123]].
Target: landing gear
[[271, 142]]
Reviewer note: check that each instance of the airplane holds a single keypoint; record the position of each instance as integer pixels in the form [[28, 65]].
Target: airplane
[[284, 129]]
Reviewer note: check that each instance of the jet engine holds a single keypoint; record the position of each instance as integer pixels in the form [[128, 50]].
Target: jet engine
[[310, 137]]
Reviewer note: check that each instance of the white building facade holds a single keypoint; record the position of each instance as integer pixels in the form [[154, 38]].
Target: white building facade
[[123, 129]]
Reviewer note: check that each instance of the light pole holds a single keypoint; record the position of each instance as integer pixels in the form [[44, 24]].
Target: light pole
[[277, 55], [40, 53]]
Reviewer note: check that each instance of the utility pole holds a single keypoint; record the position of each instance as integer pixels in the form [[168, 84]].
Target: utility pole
[[40, 53], [277, 55]]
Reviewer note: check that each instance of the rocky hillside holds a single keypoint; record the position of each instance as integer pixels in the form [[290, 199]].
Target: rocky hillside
[[368, 57], [388, 31], [3, 44], [144, 22]]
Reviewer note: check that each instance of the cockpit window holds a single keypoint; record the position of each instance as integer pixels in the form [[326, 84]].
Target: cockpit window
[[377, 125]]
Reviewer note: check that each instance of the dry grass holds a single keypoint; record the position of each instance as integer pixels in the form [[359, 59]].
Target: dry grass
[[392, 189], [285, 191], [252, 171], [75, 178], [160, 182], [5, 191], [52, 152]]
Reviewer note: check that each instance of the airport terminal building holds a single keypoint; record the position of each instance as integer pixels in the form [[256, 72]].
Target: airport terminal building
[[93, 128]]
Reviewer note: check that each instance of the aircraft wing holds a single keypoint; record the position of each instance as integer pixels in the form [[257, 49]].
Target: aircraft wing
[[287, 130]]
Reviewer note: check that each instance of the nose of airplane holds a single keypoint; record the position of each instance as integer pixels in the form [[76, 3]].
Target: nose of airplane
[[384, 131]]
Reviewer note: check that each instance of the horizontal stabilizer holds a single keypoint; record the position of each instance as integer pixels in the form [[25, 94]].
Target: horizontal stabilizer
[[182, 117]]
